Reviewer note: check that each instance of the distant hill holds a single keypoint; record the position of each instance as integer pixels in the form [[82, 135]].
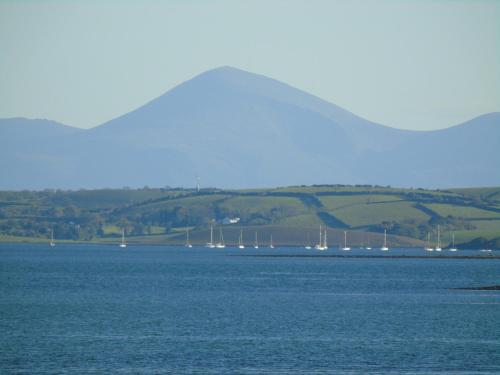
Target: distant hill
[[34, 153], [236, 129], [291, 215]]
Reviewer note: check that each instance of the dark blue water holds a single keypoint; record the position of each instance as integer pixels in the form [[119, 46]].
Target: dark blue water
[[147, 310]]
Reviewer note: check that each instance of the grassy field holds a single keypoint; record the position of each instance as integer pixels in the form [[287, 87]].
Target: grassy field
[[487, 225], [110, 230], [345, 201], [370, 214], [490, 193], [302, 220], [365, 210], [259, 204], [461, 211], [181, 201]]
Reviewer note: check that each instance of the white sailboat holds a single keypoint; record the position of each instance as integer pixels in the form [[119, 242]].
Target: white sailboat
[[220, 244], [187, 238], [211, 243], [428, 245], [123, 243], [368, 247], [345, 248], [453, 248], [240, 240], [438, 246], [320, 246], [271, 245], [52, 243], [256, 244], [385, 248]]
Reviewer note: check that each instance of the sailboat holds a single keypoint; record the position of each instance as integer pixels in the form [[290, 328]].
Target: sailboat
[[187, 239], [240, 240], [320, 246], [428, 245], [256, 244], [220, 244], [385, 248], [123, 244], [453, 248], [271, 246], [211, 243], [345, 248], [368, 247], [52, 243], [438, 246]]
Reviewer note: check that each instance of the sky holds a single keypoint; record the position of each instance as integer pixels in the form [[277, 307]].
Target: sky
[[418, 65]]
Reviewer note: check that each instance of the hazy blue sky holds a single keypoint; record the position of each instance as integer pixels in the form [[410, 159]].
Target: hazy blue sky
[[408, 64]]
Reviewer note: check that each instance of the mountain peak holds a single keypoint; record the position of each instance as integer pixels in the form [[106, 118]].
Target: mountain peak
[[235, 76], [226, 70]]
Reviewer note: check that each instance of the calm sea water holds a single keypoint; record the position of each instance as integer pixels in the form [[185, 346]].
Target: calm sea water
[[150, 310]]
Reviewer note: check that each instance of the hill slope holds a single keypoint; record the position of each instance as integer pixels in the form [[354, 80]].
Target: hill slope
[[35, 154], [236, 129], [292, 215]]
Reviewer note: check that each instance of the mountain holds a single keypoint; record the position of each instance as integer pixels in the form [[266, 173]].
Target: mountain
[[33, 153], [237, 129], [463, 155]]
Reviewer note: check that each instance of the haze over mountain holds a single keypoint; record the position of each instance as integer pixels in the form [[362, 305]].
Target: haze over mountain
[[237, 129]]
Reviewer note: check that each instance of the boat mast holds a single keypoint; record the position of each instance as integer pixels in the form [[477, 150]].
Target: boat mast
[[221, 239], [187, 236], [439, 239]]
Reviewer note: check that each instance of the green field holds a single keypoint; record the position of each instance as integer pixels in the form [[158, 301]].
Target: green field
[[491, 193], [487, 225], [346, 201], [301, 220], [461, 211], [117, 231], [370, 214]]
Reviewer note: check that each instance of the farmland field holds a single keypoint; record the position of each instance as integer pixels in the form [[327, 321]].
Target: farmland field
[[460, 211]]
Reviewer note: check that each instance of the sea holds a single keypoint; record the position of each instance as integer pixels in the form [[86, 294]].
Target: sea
[[101, 309]]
